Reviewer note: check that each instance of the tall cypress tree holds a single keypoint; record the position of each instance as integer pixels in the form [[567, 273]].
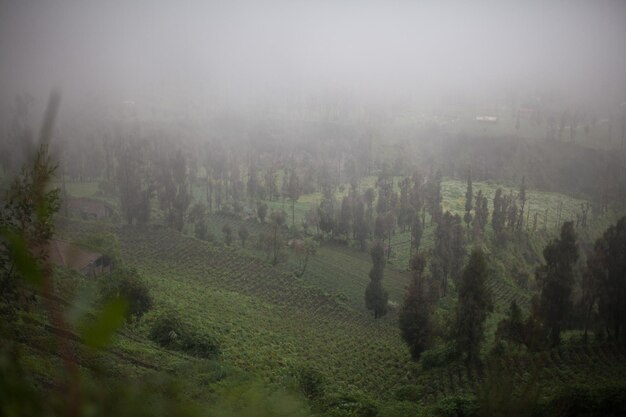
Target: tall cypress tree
[[472, 308], [468, 200], [484, 213], [414, 316], [556, 278], [497, 216], [417, 230], [448, 250], [607, 278], [433, 186], [375, 295], [521, 196], [480, 216], [293, 193]]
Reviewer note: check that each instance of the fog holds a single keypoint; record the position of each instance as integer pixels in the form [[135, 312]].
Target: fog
[[312, 208], [282, 54]]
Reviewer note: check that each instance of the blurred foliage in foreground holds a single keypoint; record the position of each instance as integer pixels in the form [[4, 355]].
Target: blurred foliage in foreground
[[26, 225]]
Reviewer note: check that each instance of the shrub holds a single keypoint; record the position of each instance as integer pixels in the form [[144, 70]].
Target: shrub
[[200, 345], [127, 284], [200, 230], [169, 331], [456, 406], [412, 393], [166, 330], [310, 382], [436, 358]]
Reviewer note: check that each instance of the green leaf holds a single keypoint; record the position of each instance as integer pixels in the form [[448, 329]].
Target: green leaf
[[99, 332], [25, 263]]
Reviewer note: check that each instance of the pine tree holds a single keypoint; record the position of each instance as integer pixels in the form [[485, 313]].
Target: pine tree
[[293, 193], [414, 316], [521, 196], [484, 213], [417, 230], [608, 272], [405, 212], [473, 306], [449, 249], [481, 214], [375, 295], [497, 218], [433, 187], [556, 278], [512, 327], [512, 213], [468, 201]]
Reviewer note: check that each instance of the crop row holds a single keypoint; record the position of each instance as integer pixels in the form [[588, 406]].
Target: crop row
[[294, 323], [591, 364]]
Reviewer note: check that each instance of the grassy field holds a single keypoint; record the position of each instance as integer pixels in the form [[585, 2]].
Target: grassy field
[[269, 323], [266, 320]]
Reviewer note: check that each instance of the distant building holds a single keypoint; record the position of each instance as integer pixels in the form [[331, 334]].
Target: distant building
[[66, 254], [88, 209], [487, 119]]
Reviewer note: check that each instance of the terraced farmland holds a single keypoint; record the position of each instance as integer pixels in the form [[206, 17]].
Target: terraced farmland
[[593, 365], [269, 322], [344, 271], [266, 320]]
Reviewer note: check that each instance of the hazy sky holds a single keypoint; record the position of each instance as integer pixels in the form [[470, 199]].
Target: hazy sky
[[234, 49]]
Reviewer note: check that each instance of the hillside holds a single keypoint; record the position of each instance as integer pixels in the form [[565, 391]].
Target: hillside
[[269, 323], [266, 320]]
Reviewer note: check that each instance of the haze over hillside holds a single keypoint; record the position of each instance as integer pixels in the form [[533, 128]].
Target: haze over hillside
[[255, 55], [313, 208]]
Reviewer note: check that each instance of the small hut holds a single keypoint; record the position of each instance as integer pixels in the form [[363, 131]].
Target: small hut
[[88, 263]]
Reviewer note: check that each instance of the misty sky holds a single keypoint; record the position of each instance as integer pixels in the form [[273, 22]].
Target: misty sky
[[242, 50]]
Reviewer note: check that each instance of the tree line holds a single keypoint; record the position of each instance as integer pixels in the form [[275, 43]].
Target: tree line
[[553, 309]]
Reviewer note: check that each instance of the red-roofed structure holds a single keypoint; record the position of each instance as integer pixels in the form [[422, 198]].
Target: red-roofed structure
[[91, 264]]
